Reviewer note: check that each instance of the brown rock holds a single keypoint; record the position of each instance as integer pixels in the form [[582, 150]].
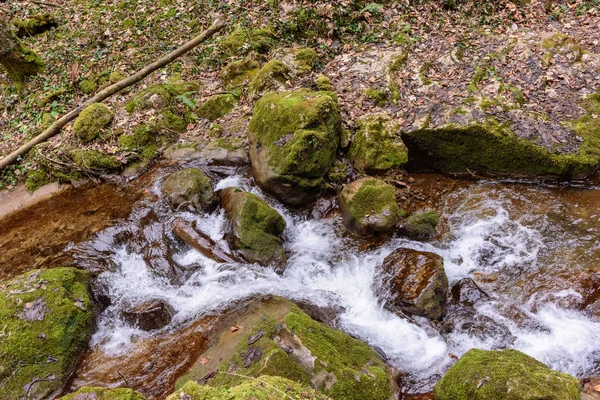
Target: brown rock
[[149, 315]]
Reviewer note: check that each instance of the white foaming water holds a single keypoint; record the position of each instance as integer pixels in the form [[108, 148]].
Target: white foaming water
[[328, 270]]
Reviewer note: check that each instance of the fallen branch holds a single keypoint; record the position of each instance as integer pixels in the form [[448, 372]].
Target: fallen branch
[[110, 91]]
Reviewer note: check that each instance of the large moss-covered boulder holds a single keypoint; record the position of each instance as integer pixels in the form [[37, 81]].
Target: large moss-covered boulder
[[217, 106], [243, 41], [263, 388], [256, 228], [416, 282], [238, 73], [92, 120], [293, 139], [504, 375], [46, 322], [94, 393], [274, 75], [377, 145], [369, 207], [190, 187], [275, 338]]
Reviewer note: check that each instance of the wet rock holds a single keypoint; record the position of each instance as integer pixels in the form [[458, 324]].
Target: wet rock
[[46, 322], [421, 225], [94, 393], [187, 232], [149, 315], [256, 228], [591, 388], [416, 282], [466, 291], [190, 187], [293, 138], [322, 208], [275, 338], [506, 374], [226, 152], [91, 121], [465, 320], [377, 145], [368, 206]]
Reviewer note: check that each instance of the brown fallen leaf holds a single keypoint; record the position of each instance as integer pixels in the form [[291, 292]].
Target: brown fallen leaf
[[204, 361], [597, 388], [234, 328]]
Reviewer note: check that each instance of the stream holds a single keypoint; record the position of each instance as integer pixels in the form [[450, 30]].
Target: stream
[[533, 249]]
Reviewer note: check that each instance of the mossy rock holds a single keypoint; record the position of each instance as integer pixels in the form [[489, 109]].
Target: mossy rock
[[260, 388], [46, 322], [504, 375], [278, 339], [242, 41], [91, 121], [190, 187], [159, 97], [379, 97], [217, 106], [36, 178], [238, 73], [492, 148], [274, 75], [35, 25], [256, 228], [421, 224], [323, 83], [103, 394], [20, 62], [300, 61], [369, 207], [94, 160], [293, 138], [115, 77], [88, 86], [377, 145]]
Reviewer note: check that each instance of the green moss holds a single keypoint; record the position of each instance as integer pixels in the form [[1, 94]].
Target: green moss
[[115, 77], [50, 96], [305, 60], [91, 121], [238, 73], [422, 225], [486, 103], [104, 394], [242, 41], [35, 25], [35, 179], [379, 97], [217, 106], [377, 144], [88, 86], [159, 96], [271, 76], [94, 160], [397, 62], [504, 375], [324, 83], [478, 77], [373, 197], [20, 63], [46, 322]]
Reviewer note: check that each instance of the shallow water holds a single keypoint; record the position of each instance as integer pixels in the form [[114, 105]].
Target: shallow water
[[534, 250]]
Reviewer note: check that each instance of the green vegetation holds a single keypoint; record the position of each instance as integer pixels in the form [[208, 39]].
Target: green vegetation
[[422, 225], [217, 106], [104, 394], [272, 76], [34, 25], [242, 41], [92, 120]]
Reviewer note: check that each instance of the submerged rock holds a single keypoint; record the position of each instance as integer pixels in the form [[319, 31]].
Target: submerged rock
[[293, 139], [417, 282], [466, 291], [190, 187], [94, 393], [377, 145], [277, 339], [256, 228], [368, 206], [92, 120], [506, 374], [149, 315], [465, 320], [46, 322]]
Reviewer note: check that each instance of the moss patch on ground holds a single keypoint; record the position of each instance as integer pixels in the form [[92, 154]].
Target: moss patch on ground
[[94, 160], [242, 41], [237, 73], [159, 96], [34, 25], [104, 394], [46, 322]]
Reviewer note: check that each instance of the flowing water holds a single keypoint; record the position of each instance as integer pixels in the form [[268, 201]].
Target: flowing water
[[533, 250]]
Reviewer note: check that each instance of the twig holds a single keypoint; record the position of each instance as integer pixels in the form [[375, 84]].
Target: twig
[[43, 3], [125, 379]]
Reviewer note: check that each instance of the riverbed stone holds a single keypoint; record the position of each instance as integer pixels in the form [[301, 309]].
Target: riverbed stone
[[377, 145], [293, 139], [91, 121], [275, 338], [417, 282], [149, 315], [256, 228], [467, 292], [190, 187], [368, 207], [97, 393], [504, 375], [421, 225], [46, 322]]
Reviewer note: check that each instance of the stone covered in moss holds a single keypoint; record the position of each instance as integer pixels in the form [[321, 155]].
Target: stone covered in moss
[[88, 86], [300, 61], [19, 61], [92, 120], [379, 97], [377, 144], [368, 206], [421, 225], [256, 228], [159, 97], [324, 83], [46, 323], [504, 375], [94, 160], [293, 140], [277, 339], [237, 73], [274, 75], [35, 24], [242, 41], [190, 187], [217, 106], [94, 393]]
